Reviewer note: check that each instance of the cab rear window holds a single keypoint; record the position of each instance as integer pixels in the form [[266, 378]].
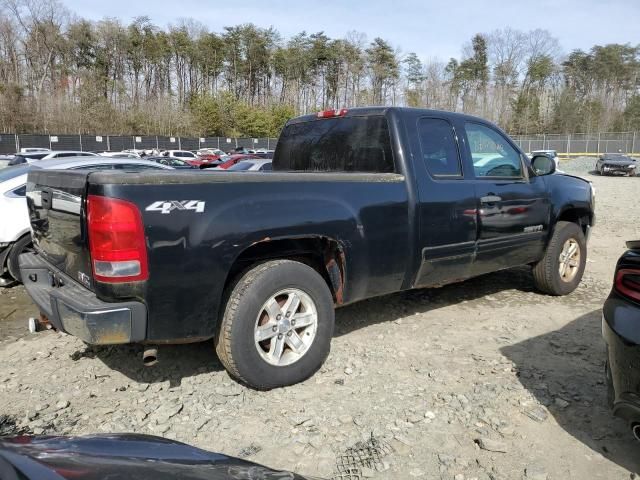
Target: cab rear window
[[346, 144]]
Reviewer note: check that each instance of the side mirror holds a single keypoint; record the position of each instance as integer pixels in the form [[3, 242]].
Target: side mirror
[[543, 165]]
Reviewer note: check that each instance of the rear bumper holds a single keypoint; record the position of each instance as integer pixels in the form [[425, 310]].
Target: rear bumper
[[77, 311], [620, 321]]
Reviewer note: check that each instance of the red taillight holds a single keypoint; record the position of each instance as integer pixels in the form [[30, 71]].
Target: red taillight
[[332, 113], [116, 240], [627, 283]]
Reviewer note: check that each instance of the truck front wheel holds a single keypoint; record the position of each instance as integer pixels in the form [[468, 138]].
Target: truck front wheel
[[277, 325], [560, 270]]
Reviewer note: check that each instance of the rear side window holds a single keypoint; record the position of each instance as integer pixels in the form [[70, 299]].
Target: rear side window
[[240, 166], [37, 156], [20, 191], [348, 144], [439, 149]]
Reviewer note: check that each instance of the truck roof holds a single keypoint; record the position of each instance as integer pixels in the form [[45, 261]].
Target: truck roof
[[363, 111]]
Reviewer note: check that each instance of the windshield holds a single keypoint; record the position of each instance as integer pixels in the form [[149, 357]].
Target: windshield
[[13, 172]]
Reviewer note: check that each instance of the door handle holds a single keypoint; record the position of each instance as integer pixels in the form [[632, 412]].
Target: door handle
[[490, 199]]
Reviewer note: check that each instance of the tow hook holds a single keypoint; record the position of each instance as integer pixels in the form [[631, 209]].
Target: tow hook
[[150, 356]]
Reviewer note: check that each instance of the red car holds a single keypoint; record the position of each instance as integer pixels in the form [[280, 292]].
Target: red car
[[201, 160], [235, 159]]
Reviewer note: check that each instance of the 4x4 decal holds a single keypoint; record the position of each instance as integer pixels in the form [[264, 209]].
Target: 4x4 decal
[[168, 206]]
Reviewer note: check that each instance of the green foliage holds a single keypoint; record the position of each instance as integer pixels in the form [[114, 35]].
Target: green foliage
[[631, 115], [384, 68], [223, 115]]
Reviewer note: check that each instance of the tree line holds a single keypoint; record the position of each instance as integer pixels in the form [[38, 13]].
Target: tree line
[[63, 74]]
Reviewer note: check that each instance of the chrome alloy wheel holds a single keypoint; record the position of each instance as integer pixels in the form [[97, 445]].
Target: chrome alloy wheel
[[569, 260], [286, 327]]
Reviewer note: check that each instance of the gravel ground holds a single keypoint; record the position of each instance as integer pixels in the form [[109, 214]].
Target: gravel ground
[[485, 379]]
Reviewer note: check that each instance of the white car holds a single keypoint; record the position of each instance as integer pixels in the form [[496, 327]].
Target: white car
[[183, 154], [68, 153], [15, 230], [120, 154], [211, 151], [34, 150], [31, 157]]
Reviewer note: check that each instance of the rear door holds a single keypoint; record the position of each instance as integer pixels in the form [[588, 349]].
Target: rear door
[[513, 207], [446, 205]]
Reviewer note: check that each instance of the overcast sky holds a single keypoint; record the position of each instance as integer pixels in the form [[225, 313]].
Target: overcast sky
[[431, 29]]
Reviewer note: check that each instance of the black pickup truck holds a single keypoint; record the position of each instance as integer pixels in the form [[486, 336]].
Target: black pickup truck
[[362, 202]]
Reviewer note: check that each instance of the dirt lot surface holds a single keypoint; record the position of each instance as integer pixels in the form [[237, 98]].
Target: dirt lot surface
[[485, 379]]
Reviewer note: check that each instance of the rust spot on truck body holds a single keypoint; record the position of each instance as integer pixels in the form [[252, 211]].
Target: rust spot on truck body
[[334, 262]]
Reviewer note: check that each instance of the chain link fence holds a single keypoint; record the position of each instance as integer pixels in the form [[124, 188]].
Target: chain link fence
[[578, 144], [574, 144], [11, 143]]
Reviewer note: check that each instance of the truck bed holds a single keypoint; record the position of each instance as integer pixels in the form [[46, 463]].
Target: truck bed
[[191, 253]]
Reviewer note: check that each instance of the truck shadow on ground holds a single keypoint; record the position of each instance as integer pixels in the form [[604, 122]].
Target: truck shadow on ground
[[568, 364], [175, 362], [397, 305], [179, 361]]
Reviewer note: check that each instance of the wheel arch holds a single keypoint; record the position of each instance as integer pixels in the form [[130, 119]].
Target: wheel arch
[[581, 216], [324, 254]]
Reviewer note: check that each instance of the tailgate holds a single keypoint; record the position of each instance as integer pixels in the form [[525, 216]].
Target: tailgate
[[56, 210]]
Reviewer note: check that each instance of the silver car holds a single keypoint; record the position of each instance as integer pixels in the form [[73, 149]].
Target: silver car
[[253, 165]]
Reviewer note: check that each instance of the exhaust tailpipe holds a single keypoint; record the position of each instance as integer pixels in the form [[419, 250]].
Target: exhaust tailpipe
[[635, 429], [150, 356], [39, 324]]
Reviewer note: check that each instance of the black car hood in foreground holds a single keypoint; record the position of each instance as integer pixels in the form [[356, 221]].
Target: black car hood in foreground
[[122, 457]]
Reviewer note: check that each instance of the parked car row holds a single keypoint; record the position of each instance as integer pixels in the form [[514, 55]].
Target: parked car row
[[14, 229], [203, 158]]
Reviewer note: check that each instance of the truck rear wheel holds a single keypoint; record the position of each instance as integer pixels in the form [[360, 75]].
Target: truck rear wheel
[[277, 325], [560, 270]]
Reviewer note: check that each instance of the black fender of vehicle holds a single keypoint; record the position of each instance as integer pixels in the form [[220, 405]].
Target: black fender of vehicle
[[325, 255], [571, 200]]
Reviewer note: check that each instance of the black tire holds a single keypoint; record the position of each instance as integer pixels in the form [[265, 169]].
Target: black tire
[[235, 342], [546, 272], [21, 246]]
